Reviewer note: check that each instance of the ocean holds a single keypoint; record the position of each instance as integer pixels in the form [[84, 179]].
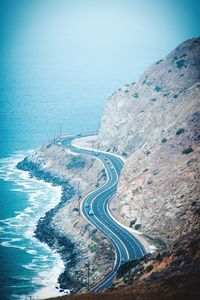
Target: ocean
[[30, 115], [28, 267], [46, 86], [33, 109]]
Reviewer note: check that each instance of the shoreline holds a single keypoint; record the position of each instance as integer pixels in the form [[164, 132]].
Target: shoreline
[[40, 260], [45, 233], [62, 228]]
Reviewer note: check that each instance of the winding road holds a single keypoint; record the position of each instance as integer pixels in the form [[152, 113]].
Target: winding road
[[95, 209]]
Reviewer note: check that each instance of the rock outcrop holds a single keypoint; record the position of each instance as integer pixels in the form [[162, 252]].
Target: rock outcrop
[[156, 124]]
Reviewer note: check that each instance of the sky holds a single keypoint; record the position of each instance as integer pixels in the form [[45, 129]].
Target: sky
[[68, 56], [89, 38]]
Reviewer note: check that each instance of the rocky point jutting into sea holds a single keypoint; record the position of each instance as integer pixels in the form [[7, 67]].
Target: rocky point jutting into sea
[[155, 124]]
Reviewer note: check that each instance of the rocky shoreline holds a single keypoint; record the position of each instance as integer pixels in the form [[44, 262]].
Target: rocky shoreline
[[62, 228], [46, 233]]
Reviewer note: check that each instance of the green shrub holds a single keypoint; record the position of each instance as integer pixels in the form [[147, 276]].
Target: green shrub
[[132, 222], [128, 279], [164, 140], [153, 99], [180, 63], [95, 239], [175, 58], [149, 268], [137, 226], [76, 162], [75, 209], [175, 96], [124, 153], [180, 131], [145, 170], [135, 95], [127, 266], [144, 81], [158, 62], [93, 248], [157, 88], [166, 94], [183, 55], [187, 150], [148, 152]]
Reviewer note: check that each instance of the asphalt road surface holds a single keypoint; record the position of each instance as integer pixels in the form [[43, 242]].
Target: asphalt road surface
[[95, 209]]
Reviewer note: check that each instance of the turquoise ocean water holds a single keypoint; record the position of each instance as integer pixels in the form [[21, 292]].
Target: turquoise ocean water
[[27, 267], [49, 80], [36, 99], [31, 111]]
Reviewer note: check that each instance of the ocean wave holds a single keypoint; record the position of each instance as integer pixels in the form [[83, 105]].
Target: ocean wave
[[20, 278], [10, 245], [49, 281], [30, 266], [18, 231], [31, 252]]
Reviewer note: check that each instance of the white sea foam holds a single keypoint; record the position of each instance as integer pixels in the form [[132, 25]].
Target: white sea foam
[[10, 245], [30, 266], [46, 264], [31, 252], [48, 280]]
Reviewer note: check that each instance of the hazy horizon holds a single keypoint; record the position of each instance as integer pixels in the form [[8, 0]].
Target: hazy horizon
[[60, 60]]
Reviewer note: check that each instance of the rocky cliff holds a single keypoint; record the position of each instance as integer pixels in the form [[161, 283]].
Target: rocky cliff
[[156, 124]]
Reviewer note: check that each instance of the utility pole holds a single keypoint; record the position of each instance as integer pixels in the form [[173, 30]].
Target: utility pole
[[88, 275], [78, 197]]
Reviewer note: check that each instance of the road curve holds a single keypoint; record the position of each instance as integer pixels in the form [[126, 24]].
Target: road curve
[[125, 244]]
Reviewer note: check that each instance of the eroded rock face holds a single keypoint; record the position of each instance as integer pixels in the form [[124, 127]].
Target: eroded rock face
[[139, 113], [156, 123]]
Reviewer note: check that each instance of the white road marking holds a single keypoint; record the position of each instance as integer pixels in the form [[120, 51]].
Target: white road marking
[[116, 224]]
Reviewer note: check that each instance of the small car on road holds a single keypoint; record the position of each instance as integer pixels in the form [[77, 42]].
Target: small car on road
[[91, 213]]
